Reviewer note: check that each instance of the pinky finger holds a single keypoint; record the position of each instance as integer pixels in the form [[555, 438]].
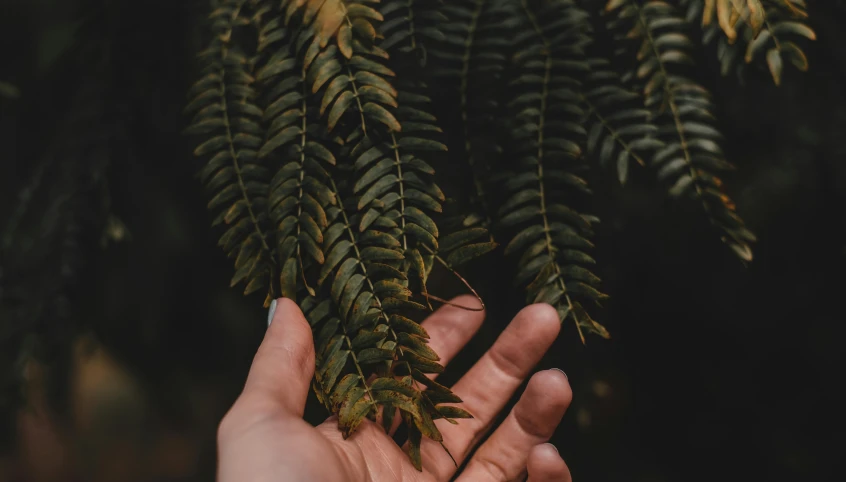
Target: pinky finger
[[546, 465]]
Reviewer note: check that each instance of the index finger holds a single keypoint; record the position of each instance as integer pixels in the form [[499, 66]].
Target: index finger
[[451, 327]]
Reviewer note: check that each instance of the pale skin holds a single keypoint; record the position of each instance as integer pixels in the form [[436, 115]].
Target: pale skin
[[264, 438]]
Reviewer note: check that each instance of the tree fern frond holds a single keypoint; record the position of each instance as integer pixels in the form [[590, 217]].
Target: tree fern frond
[[226, 114], [410, 24], [620, 129], [684, 113], [551, 236], [749, 30]]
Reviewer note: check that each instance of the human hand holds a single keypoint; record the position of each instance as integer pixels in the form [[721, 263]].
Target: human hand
[[264, 438]]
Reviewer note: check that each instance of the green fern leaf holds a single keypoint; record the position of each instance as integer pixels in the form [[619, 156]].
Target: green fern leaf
[[547, 139], [371, 313], [683, 111], [296, 144], [226, 114], [471, 60]]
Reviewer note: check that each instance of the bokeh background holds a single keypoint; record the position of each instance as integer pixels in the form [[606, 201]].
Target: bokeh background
[[715, 370]]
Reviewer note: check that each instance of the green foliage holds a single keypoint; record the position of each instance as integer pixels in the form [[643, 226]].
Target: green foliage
[[682, 110], [470, 62], [317, 127], [545, 143], [225, 110]]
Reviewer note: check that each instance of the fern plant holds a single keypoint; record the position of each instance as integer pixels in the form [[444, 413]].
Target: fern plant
[[320, 147]]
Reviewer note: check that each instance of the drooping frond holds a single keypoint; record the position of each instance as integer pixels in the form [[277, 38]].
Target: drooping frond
[[683, 111], [376, 330], [226, 114], [471, 60], [620, 129], [409, 25], [549, 234], [747, 31], [296, 146]]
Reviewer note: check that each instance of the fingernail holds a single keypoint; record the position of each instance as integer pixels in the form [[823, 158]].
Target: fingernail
[[562, 372], [271, 311], [553, 446]]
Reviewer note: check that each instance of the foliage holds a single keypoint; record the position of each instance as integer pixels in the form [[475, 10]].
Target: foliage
[[317, 127]]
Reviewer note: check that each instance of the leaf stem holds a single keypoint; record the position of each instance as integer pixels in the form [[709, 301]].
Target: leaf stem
[[592, 109]]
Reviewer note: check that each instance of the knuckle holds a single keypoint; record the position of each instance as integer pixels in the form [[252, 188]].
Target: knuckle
[[509, 362], [495, 471], [533, 424]]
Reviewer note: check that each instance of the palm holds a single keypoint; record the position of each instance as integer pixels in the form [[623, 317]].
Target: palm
[[264, 437], [321, 453]]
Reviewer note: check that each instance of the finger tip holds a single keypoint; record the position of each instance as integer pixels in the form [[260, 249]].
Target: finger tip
[[544, 451], [554, 385], [545, 463], [285, 308], [286, 304], [288, 316], [543, 318]]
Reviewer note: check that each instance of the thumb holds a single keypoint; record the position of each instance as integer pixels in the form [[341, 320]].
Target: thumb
[[284, 364]]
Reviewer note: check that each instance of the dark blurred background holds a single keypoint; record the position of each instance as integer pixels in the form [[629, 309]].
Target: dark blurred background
[[715, 370]]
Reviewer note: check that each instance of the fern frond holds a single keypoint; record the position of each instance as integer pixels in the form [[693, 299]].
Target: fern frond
[[334, 351], [396, 186], [409, 25], [471, 61], [226, 114], [749, 30], [684, 113], [294, 141], [551, 236], [376, 314], [620, 129]]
